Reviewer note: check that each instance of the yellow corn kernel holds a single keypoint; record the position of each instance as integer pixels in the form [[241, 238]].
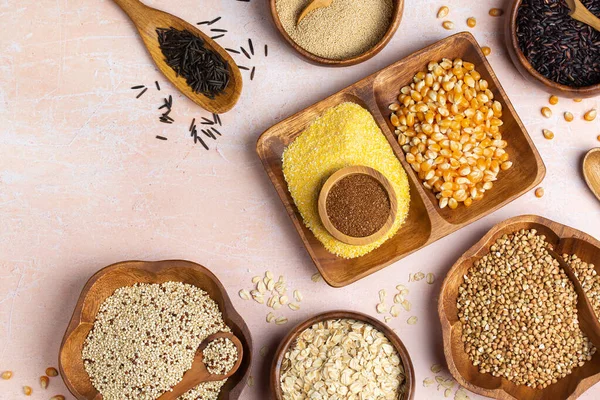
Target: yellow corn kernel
[[568, 116], [590, 115]]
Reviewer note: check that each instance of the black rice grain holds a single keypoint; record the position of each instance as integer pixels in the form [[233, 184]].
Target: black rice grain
[[245, 53], [204, 70], [141, 93]]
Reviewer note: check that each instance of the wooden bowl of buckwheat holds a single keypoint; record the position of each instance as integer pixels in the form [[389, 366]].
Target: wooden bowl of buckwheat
[[509, 312], [339, 339]]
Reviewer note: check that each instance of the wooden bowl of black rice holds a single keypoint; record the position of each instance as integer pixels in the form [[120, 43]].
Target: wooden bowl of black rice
[[552, 50]]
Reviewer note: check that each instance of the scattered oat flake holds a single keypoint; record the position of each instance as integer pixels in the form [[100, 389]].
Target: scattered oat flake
[[281, 321], [406, 304], [447, 392], [269, 274], [428, 382], [412, 320], [398, 299], [381, 308], [270, 317], [250, 381], [387, 319], [418, 276], [263, 351], [244, 294], [298, 296], [394, 312], [430, 278], [256, 279], [294, 306], [316, 277], [436, 368], [382, 295]]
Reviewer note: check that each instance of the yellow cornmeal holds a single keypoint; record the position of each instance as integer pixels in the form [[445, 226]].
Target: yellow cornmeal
[[344, 135]]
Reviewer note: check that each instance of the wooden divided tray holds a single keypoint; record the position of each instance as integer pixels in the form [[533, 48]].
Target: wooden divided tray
[[565, 240], [426, 222]]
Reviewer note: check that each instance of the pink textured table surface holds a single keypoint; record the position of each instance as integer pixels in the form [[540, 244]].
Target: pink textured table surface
[[84, 182]]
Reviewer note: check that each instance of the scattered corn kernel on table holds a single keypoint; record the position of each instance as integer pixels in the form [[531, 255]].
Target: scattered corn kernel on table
[[90, 176]]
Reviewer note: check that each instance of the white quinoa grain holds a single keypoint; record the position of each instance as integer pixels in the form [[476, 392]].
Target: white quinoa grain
[[145, 337]]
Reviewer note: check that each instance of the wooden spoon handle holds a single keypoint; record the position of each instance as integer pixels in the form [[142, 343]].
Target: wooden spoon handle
[[585, 312], [582, 14], [133, 8]]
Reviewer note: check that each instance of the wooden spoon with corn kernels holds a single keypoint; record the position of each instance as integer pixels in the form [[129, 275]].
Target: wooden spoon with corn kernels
[[585, 312]]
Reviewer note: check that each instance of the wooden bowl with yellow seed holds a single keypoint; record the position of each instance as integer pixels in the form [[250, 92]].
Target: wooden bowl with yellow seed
[[373, 51], [564, 240], [104, 283]]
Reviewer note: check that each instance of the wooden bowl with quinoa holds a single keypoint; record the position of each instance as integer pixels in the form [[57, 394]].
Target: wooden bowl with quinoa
[[281, 363], [565, 240], [283, 26], [104, 283]]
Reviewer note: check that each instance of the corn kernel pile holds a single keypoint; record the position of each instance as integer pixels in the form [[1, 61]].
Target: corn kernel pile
[[448, 125], [344, 135]]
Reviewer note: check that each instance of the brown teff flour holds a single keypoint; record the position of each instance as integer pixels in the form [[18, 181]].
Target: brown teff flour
[[357, 205], [346, 29]]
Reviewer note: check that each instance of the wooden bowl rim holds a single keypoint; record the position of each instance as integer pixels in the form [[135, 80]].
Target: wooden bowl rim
[[587, 156], [372, 52], [338, 176], [498, 393], [292, 335], [157, 267], [585, 91]]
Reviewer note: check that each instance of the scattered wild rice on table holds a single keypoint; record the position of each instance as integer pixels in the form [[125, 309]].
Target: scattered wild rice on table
[[344, 135]]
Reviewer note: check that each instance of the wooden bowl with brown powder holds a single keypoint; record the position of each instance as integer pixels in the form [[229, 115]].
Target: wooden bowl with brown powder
[[357, 205], [345, 33]]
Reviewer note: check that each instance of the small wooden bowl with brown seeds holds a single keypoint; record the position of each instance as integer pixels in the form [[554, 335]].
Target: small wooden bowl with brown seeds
[[103, 284], [290, 340], [564, 240]]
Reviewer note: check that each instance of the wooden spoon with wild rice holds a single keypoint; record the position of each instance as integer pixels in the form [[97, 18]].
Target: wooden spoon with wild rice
[[213, 89]]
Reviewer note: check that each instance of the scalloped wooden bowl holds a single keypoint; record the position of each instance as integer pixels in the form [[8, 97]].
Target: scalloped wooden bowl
[[291, 337], [394, 24], [530, 73], [103, 284], [565, 240]]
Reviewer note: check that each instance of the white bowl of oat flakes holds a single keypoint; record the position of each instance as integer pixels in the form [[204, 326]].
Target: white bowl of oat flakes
[[344, 354]]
